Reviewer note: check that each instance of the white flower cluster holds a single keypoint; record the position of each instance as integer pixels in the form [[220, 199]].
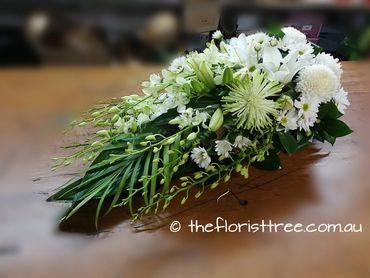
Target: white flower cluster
[[286, 60], [222, 148]]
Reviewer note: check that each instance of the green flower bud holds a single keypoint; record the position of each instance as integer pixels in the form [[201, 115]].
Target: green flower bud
[[273, 42], [214, 185], [285, 102], [228, 76], [150, 137], [197, 86], [216, 121], [155, 150], [175, 169], [244, 172], [96, 114], [97, 144], [174, 121], [113, 109], [103, 133], [182, 142], [238, 167], [198, 175], [144, 143], [198, 194], [257, 47], [192, 136], [82, 124], [227, 178], [169, 141], [115, 118], [183, 178]]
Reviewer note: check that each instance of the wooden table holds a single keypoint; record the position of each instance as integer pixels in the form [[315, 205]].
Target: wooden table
[[321, 184]]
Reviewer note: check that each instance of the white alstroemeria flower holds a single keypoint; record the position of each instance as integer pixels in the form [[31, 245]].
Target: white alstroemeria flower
[[217, 35], [241, 142], [292, 38], [223, 147], [331, 62], [201, 157], [341, 100], [288, 119], [319, 81]]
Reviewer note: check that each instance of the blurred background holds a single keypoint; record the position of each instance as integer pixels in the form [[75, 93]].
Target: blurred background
[[59, 32]]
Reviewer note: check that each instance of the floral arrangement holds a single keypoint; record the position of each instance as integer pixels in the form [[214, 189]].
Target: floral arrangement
[[238, 103]]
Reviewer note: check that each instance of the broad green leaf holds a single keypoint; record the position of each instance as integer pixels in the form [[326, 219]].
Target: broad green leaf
[[288, 141], [337, 128]]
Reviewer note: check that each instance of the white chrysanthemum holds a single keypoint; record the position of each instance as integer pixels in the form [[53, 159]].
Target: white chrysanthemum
[[308, 107], [319, 81], [217, 35], [288, 119], [292, 37], [241, 142], [201, 157], [341, 100], [223, 147], [331, 62], [249, 101]]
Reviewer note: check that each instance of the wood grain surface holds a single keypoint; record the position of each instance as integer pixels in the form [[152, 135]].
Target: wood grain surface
[[321, 184]]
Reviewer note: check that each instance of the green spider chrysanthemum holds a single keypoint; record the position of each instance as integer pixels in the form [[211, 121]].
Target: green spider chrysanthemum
[[248, 100]]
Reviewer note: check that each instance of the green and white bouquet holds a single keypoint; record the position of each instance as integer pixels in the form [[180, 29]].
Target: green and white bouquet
[[238, 103]]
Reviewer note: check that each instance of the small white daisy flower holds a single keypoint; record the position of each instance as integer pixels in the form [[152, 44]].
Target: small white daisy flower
[[217, 35], [341, 100], [288, 119], [307, 106], [223, 147], [241, 142], [319, 81], [201, 157], [307, 111]]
